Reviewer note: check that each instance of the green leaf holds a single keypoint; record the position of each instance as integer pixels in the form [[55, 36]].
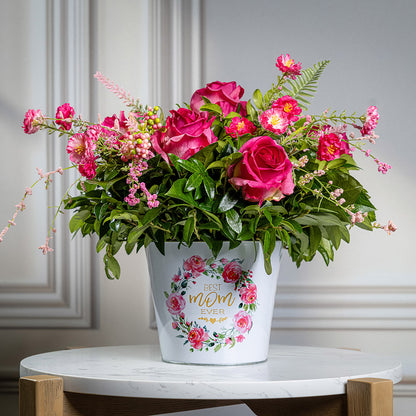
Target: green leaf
[[177, 191], [78, 220], [188, 230], [234, 220], [228, 201], [258, 99], [193, 182], [315, 236], [213, 108], [112, 267]]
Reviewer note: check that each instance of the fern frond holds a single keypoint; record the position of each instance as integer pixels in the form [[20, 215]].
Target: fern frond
[[306, 84]]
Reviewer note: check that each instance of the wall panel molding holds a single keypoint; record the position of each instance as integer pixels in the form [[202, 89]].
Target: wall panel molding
[[65, 298], [345, 307]]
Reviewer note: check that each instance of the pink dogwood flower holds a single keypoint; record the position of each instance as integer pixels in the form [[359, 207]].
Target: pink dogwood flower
[[240, 126], [274, 120], [287, 65]]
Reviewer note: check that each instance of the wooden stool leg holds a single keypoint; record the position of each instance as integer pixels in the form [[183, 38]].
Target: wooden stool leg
[[370, 397], [41, 395]]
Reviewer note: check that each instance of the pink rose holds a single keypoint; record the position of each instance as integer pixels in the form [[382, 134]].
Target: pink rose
[[64, 114], [240, 126], [32, 121], [88, 169], [242, 321], [248, 293], [196, 337], [232, 272], [195, 265], [264, 172], [289, 106], [331, 146], [186, 134], [226, 94], [175, 303]]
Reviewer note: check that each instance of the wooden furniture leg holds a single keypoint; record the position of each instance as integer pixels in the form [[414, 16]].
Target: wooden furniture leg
[[370, 397], [41, 395]]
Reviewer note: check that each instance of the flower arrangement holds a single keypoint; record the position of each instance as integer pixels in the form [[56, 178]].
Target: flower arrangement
[[219, 169]]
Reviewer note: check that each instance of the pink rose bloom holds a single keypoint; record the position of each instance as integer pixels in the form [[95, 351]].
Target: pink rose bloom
[[64, 115], [195, 265], [240, 338], [264, 172], [371, 120], [32, 121], [287, 65], [289, 106], [88, 169], [331, 146], [248, 293], [175, 303], [186, 134], [242, 321], [232, 272], [226, 94], [196, 337], [174, 325], [240, 126], [274, 120]]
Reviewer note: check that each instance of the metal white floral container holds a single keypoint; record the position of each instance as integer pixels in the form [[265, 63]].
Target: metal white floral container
[[213, 310]]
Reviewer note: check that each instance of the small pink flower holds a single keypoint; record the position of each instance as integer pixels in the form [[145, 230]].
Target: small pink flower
[[224, 261], [240, 338], [176, 278], [240, 126], [195, 265], [32, 121], [182, 315], [232, 272], [274, 120], [213, 266], [287, 65], [64, 115], [371, 120], [390, 227], [175, 303], [174, 325], [248, 293], [228, 341], [242, 321], [289, 106], [196, 337], [88, 169]]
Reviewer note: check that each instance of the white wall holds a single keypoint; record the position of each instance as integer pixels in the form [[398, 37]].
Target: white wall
[[366, 299]]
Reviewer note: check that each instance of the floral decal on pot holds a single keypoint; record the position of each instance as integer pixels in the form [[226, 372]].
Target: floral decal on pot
[[222, 272]]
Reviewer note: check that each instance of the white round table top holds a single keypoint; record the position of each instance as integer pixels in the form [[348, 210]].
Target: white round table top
[[138, 371]]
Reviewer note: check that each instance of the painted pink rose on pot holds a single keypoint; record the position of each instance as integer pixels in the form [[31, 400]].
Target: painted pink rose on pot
[[186, 134], [175, 303], [195, 265], [264, 172], [248, 293], [226, 94], [196, 337], [232, 272], [242, 322]]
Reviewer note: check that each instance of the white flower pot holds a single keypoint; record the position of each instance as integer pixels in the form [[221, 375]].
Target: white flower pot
[[213, 310]]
